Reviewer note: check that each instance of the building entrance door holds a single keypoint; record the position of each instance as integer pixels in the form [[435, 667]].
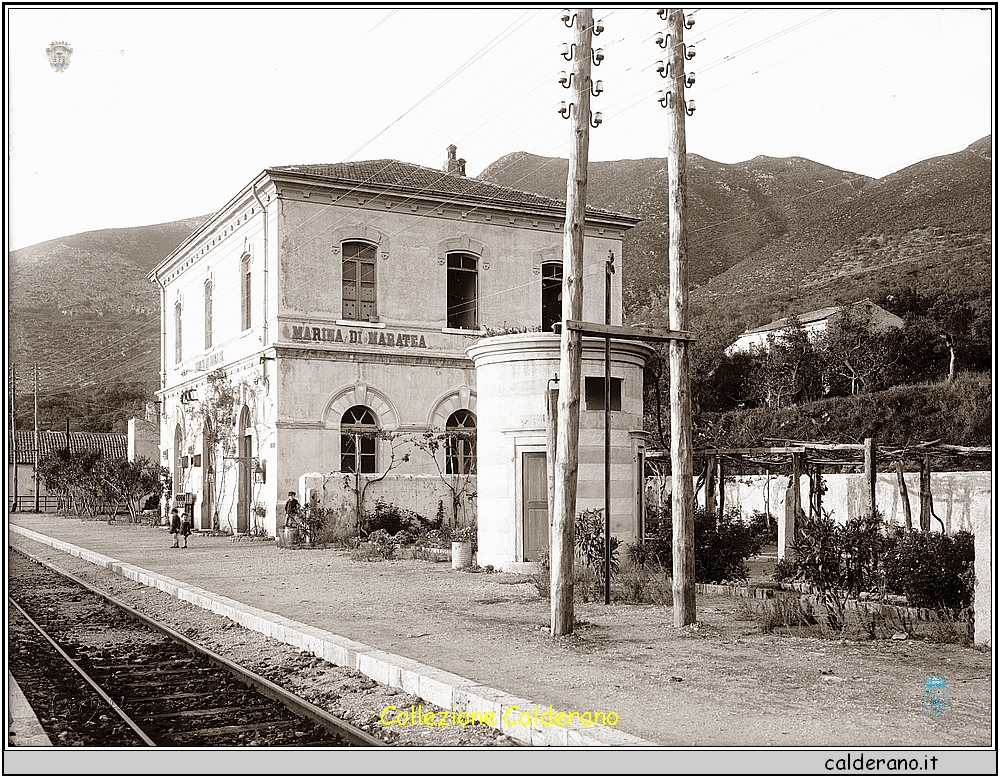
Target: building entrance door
[[535, 513], [244, 471]]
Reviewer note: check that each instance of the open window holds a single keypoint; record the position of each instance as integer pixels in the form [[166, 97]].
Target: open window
[[552, 278], [594, 393], [463, 291]]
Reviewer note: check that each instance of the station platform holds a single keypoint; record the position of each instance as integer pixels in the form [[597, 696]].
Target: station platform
[[319, 600]]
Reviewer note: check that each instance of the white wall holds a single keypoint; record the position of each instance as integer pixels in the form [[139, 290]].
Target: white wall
[[959, 498]]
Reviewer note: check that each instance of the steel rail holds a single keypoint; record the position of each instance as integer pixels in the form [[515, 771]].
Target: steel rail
[[83, 674], [293, 702]]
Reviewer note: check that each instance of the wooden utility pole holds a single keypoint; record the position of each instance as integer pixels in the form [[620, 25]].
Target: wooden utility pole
[[609, 271], [37, 441], [571, 342], [680, 376], [13, 435]]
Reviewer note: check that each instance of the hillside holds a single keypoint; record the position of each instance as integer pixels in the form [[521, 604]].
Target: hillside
[[81, 307], [955, 414], [767, 238]]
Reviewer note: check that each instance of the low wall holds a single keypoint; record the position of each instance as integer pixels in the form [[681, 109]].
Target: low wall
[[423, 494], [959, 497]]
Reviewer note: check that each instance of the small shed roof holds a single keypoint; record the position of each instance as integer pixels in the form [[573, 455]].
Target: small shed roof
[[113, 445]]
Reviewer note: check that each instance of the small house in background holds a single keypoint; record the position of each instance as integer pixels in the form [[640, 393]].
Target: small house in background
[[21, 460], [814, 323]]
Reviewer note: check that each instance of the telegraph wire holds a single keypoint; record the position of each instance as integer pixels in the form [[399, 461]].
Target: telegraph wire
[[549, 161]]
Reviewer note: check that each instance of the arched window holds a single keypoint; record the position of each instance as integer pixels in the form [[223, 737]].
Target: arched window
[[208, 314], [245, 292], [463, 291], [461, 446], [552, 278], [178, 351], [359, 282], [357, 440]]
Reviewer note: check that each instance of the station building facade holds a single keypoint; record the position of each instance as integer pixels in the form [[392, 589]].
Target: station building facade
[[326, 301]]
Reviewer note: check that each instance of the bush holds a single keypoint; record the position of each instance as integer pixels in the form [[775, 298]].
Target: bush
[[784, 570], [393, 520], [384, 544], [764, 525], [721, 546], [931, 569], [590, 546]]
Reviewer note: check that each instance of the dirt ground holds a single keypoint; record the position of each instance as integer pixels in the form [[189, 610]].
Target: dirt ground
[[719, 682]]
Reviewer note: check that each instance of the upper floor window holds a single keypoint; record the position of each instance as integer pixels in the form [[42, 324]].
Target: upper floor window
[[208, 314], [178, 351], [552, 278], [357, 440], [463, 287], [359, 282], [461, 446], [245, 292]]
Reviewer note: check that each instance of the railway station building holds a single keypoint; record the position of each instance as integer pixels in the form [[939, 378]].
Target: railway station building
[[324, 302]]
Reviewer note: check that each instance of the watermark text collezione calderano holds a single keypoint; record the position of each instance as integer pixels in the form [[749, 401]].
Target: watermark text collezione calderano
[[415, 715]]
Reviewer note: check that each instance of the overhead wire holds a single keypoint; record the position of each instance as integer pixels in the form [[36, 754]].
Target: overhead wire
[[482, 53]]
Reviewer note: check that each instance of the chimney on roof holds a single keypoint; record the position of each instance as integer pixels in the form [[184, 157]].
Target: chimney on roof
[[452, 166]]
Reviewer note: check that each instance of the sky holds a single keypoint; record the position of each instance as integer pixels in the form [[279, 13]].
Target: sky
[[166, 113]]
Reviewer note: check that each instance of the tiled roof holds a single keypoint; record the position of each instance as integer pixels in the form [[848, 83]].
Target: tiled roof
[[415, 179], [806, 318], [114, 445]]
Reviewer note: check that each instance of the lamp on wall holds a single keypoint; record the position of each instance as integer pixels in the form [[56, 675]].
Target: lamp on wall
[[260, 471]]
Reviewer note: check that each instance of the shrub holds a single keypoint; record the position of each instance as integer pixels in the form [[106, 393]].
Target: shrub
[[590, 547], [764, 525], [721, 546], [931, 569], [384, 544], [784, 570], [394, 519]]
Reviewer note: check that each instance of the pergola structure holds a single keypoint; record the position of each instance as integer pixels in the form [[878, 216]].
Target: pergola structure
[[816, 458]]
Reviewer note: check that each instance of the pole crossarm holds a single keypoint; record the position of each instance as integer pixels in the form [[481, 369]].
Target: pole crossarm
[[615, 331]]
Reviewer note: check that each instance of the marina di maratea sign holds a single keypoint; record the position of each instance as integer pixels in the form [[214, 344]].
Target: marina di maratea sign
[[357, 337]]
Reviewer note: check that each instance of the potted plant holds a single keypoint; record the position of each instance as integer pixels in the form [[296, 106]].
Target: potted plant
[[461, 547]]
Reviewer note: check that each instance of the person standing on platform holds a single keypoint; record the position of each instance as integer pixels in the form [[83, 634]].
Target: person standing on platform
[[291, 509], [175, 525], [185, 529]]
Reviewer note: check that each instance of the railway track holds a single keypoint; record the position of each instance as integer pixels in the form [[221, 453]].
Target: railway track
[[99, 673]]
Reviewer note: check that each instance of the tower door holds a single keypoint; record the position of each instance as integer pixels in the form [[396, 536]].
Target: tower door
[[535, 513]]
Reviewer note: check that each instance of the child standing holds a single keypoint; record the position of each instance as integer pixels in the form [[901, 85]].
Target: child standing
[[185, 529], [175, 525]]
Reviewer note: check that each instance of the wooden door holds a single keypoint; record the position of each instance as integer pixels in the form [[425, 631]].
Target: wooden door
[[535, 513]]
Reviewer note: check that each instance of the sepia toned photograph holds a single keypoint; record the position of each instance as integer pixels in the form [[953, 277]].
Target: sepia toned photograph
[[500, 389]]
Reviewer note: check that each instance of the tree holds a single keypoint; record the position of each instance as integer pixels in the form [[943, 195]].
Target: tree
[[451, 472], [359, 482], [73, 477], [785, 371], [131, 482], [856, 357]]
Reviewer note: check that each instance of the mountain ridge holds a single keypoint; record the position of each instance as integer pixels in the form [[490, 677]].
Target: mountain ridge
[[767, 237]]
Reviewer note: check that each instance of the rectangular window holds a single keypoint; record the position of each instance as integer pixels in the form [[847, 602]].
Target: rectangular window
[[551, 295], [208, 315], [177, 334], [463, 301], [357, 453], [245, 292], [594, 391], [359, 282]]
